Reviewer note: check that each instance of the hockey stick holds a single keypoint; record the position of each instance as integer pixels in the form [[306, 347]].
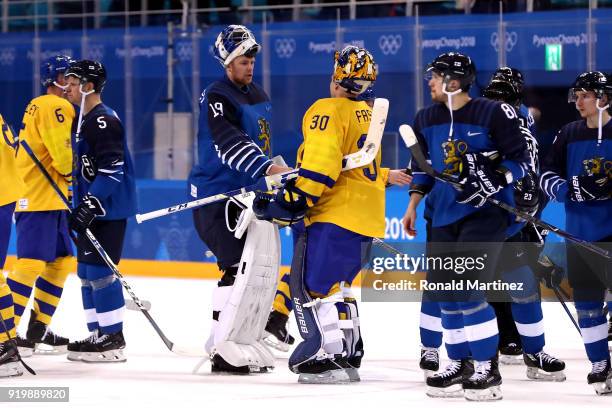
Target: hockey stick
[[555, 289], [411, 142], [371, 145], [11, 340], [109, 262], [363, 157], [266, 184]]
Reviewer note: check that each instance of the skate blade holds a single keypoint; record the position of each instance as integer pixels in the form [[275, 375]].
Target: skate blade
[[25, 352], [111, 356], [603, 388], [534, 373], [328, 377], [353, 374], [490, 394], [253, 369], [271, 341], [10, 370], [452, 391], [428, 373], [507, 359], [46, 349], [74, 356]]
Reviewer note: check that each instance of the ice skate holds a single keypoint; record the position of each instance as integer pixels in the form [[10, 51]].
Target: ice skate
[[448, 383], [484, 384], [544, 367]]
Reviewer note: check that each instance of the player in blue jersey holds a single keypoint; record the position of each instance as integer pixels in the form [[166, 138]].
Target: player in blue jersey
[[460, 135], [578, 173], [521, 322], [104, 197], [233, 152]]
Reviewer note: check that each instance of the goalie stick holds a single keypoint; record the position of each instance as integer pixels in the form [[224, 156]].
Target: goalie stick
[[411, 142], [363, 157], [171, 346]]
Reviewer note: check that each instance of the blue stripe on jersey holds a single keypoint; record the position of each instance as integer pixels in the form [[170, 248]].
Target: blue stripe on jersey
[[316, 177]]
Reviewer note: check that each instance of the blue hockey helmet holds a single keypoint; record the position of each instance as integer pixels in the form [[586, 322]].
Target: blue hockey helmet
[[234, 41], [52, 67], [453, 66], [506, 85], [354, 69]]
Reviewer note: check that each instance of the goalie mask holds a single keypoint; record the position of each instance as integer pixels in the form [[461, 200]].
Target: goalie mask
[[354, 69], [234, 41]]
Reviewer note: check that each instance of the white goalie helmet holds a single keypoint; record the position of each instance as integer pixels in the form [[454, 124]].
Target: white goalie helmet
[[234, 41]]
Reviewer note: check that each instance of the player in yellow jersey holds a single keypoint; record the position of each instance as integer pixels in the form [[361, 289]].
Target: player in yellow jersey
[[342, 212], [44, 251], [276, 329], [11, 188]]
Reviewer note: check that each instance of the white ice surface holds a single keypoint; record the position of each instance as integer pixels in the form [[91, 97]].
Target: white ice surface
[[155, 377]]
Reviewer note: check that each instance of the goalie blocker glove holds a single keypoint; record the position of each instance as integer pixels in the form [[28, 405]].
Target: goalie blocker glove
[[478, 180], [284, 208], [589, 187], [83, 215]]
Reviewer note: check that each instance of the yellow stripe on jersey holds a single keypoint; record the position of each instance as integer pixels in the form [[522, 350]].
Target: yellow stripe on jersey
[[11, 185], [353, 199], [47, 124]]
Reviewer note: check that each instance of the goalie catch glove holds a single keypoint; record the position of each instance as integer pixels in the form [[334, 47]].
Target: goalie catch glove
[[590, 187], [284, 208], [479, 181], [83, 215]]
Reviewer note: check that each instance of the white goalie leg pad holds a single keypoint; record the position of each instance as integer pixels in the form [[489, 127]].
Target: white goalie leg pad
[[350, 326], [221, 295], [244, 317], [330, 323]]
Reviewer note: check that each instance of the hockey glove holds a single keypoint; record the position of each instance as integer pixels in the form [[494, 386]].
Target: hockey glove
[[284, 208], [588, 188], [478, 180], [82, 216], [548, 272], [527, 194]]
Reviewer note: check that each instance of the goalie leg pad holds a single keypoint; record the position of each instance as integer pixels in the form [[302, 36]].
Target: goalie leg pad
[[320, 358], [243, 319]]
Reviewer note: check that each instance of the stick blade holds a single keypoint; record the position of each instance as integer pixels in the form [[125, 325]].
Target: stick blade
[[408, 135]]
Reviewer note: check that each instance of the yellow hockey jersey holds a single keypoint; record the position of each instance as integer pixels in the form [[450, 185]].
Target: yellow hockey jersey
[[46, 127], [11, 185], [353, 199]]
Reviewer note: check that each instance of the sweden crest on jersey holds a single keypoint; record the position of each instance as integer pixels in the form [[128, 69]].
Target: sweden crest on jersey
[[264, 135]]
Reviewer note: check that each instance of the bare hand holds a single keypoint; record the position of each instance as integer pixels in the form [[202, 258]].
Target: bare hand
[[409, 221], [399, 177], [276, 169]]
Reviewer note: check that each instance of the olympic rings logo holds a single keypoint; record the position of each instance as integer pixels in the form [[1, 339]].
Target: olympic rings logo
[[284, 47], [390, 44], [95, 52], [184, 51], [510, 41], [7, 56]]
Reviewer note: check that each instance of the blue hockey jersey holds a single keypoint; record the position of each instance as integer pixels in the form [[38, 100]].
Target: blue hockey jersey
[[233, 138], [481, 126], [103, 166], [577, 150]]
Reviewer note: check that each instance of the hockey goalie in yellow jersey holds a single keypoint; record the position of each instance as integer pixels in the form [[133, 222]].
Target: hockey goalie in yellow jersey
[[44, 250], [342, 211]]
